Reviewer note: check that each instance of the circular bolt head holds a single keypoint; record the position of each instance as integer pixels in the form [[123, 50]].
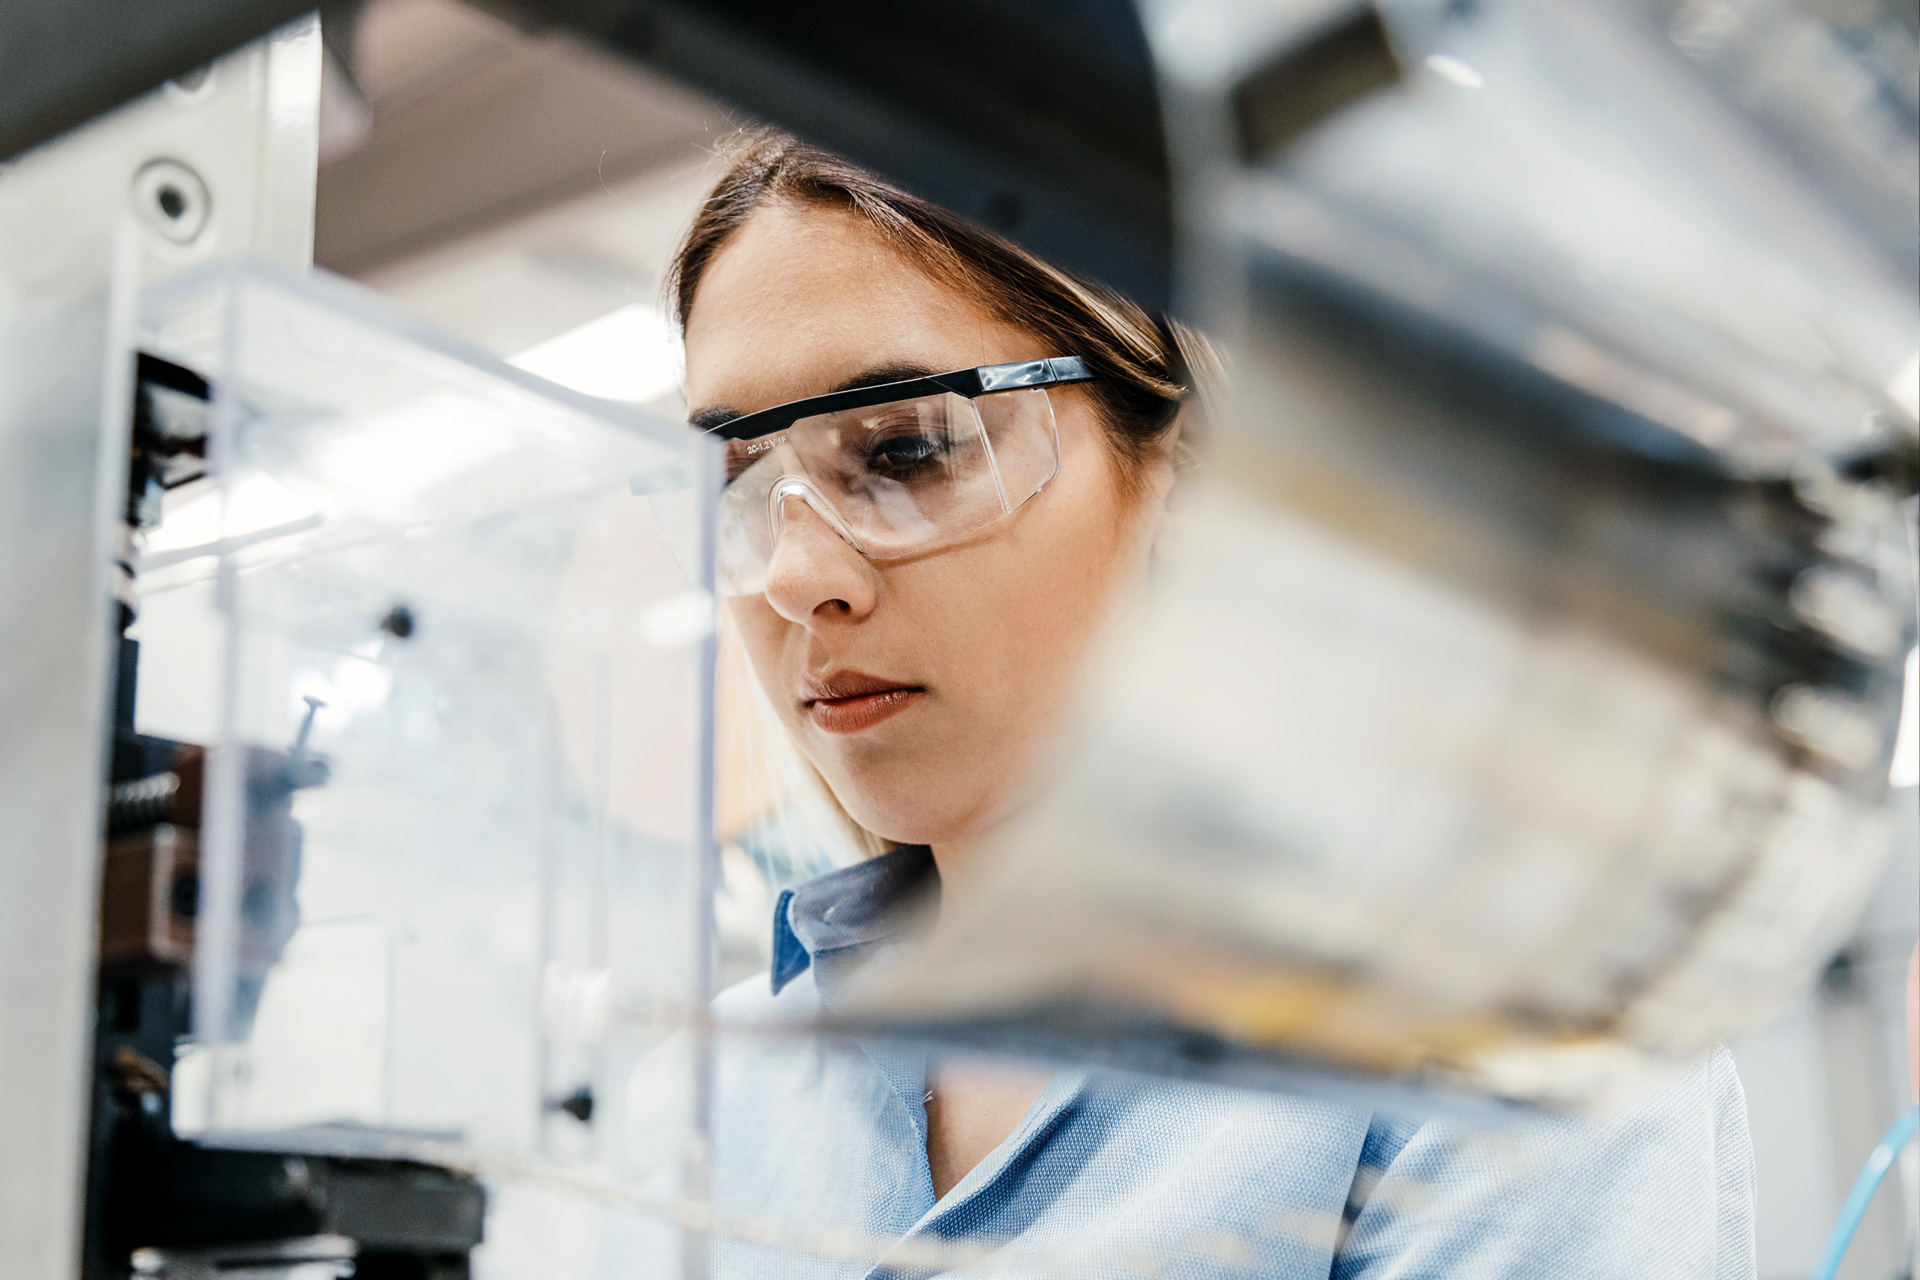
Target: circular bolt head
[[171, 198]]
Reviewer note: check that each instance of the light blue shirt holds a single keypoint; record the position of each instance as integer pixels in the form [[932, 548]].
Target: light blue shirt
[[820, 1166]]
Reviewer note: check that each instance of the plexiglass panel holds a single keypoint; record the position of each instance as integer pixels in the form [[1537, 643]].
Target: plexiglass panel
[[450, 886]]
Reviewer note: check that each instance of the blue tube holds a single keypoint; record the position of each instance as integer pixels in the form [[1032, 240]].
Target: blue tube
[[1898, 1136]]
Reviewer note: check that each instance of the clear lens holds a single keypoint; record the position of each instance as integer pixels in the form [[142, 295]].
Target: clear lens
[[892, 479]]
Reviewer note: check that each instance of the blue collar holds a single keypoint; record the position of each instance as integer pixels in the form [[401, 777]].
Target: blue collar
[[835, 922]]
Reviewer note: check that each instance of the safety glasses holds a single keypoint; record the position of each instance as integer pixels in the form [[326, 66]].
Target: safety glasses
[[897, 469]]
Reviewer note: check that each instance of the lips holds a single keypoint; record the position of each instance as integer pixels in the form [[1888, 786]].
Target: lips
[[852, 701]]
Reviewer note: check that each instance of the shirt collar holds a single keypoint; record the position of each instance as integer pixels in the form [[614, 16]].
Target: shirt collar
[[835, 921]]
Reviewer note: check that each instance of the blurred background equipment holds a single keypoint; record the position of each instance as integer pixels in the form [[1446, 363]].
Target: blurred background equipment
[[1042, 125], [1562, 543]]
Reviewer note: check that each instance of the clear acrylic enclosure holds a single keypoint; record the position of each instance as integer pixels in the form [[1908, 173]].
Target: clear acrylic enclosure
[[452, 845]]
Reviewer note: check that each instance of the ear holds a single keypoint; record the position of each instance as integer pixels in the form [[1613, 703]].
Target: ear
[[1163, 463], [1171, 455]]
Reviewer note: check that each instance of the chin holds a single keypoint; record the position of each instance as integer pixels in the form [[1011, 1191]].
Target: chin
[[908, 809], [901, 823]]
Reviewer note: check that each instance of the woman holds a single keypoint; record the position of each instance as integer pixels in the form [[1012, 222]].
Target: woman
[[947, 461]]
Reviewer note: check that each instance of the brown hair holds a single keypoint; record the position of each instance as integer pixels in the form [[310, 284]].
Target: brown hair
[[1143, 368]]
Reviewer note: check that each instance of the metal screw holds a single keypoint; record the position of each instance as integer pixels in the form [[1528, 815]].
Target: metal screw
[[172, 199], [306, 722], [399, 622]]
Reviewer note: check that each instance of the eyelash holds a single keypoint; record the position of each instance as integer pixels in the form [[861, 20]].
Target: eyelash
[[937, 446]]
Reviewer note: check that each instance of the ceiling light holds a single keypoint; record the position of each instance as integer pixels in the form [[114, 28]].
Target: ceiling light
[[629, 355]]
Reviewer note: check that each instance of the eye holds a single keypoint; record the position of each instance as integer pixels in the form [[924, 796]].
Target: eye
[[907, 454]]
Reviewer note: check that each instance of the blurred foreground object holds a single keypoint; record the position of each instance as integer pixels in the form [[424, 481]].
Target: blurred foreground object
[[1513, 708]]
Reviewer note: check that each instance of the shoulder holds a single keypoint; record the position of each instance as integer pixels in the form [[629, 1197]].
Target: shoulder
[[660, 1091], [1663, 1187], [753, 1001], [1187, 1116]]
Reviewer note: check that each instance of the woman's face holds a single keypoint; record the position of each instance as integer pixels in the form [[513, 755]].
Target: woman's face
[[977, 642]]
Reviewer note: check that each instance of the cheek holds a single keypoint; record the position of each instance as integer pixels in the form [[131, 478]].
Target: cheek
[[1074, 549], [763, 634], [1022, 609]]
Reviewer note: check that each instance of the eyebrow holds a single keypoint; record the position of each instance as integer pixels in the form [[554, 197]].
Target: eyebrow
[[708, 419], [882, 374], [878, 375]]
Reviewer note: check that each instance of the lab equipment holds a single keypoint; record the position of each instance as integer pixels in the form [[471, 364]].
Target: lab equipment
[[1879, 1160], [427, 928], [441, 581], [1512, 711], [1547, 603], [83, 224]]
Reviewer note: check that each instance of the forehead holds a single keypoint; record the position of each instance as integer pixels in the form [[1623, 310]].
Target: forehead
[[800, 299]]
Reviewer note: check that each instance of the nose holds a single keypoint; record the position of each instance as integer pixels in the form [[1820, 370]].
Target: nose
[[813, 574]]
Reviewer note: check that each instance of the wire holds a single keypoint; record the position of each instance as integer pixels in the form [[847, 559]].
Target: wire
[[1897, 1136]]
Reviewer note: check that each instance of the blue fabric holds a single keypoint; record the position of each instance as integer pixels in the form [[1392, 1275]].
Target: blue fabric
[[790, 956], [820, 1168], [839, 921]]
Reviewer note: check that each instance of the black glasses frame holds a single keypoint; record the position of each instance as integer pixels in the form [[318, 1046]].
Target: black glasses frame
[[979, 381]]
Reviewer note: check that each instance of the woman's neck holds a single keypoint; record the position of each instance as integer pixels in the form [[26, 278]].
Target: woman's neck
[[955, 860]]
